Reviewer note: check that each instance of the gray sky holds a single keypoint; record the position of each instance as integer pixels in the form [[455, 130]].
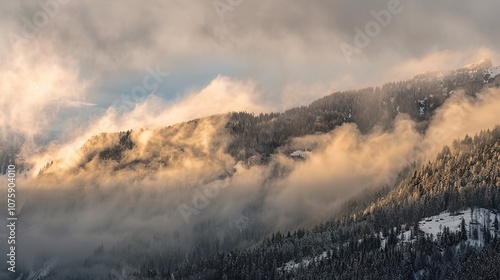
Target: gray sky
[[289, 52]]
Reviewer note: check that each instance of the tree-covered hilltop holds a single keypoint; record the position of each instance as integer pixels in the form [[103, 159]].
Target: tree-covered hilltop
[[261, 135], [255, 137], [385, 241], [368, 241]]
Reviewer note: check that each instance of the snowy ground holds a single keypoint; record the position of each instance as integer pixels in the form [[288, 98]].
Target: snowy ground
[[431, 226], [292, 265], [434, 225], [494, 71], [301, 154]]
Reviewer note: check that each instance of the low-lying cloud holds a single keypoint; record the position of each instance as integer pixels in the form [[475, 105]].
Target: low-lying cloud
[[106, 201]]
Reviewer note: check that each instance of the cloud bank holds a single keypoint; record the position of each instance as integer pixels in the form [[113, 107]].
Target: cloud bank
[[186, 164], [276, 44]]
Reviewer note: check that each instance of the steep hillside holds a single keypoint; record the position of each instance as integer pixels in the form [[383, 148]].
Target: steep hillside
[[253, 139], [205, 198], [418, 97], [391, 239], [145, 152]]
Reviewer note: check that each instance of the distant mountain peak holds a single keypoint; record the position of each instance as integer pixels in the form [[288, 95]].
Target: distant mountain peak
[[482, 64]]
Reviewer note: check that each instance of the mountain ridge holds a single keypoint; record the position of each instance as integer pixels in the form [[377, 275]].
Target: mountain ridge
[[170, 181], [257, 137]]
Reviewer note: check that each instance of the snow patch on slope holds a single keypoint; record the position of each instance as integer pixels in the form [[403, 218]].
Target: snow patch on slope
[[493, 72], [300, 154], [475, 220], [292, 265]]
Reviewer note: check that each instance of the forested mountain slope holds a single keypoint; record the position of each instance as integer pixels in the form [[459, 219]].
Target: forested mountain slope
[[418, 97], [371, 245], [147, 179], [254, 138]]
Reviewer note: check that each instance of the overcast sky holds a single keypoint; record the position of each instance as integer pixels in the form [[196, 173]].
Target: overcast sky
[[288, 52]]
